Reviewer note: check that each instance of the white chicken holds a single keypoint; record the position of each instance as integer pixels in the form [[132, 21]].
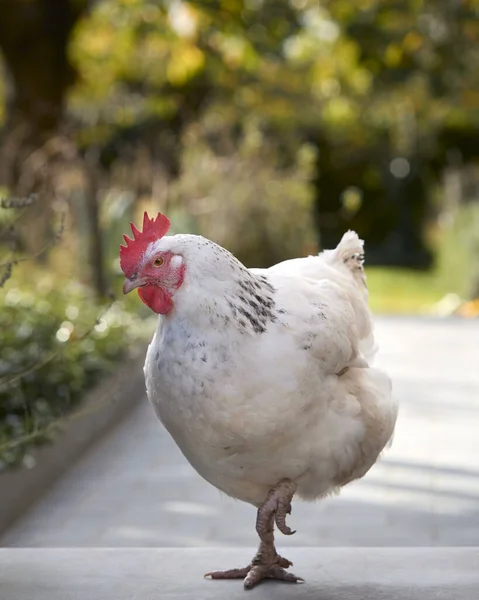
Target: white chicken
[[262, 377]]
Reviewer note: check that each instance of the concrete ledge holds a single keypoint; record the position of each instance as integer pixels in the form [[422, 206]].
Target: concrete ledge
[[177, 573], [104, 406]]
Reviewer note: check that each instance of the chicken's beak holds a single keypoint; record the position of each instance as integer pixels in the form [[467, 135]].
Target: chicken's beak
[[131, 284]]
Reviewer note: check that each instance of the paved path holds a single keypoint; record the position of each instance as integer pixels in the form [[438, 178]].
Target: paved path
[[136, 489], [177, 573]]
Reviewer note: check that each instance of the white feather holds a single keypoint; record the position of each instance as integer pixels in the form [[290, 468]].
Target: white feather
[[248, 409]]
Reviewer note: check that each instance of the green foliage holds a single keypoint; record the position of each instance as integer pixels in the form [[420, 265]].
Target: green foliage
[[52, 352], [376, 86], [142, 59], [353, 69], [369, 83]]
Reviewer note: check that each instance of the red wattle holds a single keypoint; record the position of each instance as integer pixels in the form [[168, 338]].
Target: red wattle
[[156, 298]]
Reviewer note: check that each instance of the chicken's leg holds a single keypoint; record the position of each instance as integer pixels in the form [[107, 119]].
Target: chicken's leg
[[267, 564]]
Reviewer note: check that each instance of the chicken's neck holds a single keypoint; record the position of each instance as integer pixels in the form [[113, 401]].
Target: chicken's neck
[[244, 303]]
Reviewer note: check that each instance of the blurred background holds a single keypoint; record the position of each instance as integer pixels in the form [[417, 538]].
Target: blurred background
[[272, 127]]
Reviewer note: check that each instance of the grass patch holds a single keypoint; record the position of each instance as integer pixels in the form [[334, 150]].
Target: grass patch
[[404, 291]]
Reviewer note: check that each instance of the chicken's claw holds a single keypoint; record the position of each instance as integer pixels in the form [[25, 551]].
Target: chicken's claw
[[229, 574], [284, 508], [277, 504], [266, 565]]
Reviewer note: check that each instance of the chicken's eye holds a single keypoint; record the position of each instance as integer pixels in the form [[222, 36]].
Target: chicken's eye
[[158, 262]]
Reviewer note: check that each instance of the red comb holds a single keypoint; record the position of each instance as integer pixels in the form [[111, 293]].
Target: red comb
[[153, 229]]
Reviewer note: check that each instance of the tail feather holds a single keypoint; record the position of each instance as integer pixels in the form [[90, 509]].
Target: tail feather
[[349, 256], [349, 252], [344, 265]]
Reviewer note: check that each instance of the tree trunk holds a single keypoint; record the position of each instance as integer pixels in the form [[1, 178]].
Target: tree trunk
[[95, 242], [34, 36]]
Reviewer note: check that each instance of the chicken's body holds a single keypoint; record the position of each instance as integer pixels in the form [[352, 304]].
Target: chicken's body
[[262, 376]]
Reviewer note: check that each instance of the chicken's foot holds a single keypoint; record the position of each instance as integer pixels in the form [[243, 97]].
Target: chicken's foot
[[267, 564]]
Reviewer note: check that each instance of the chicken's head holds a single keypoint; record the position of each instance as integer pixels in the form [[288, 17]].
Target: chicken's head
[[150, 266]]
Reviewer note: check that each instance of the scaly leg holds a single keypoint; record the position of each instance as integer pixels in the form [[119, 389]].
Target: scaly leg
[[267, 564]]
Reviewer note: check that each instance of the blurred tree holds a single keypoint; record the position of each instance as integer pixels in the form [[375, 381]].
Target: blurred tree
[[423, 63], [382, 89], [151, 68], [34, 36]]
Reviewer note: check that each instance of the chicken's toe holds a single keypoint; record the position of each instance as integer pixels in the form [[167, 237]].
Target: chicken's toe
[[229, 574], [284, 562], [283, 509], [259, 573]]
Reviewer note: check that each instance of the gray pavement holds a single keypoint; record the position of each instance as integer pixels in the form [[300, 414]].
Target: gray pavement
[[177, 574], [136, 489]]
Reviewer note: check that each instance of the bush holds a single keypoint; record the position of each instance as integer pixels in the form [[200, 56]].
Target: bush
[[244, 198], [55, 343]]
